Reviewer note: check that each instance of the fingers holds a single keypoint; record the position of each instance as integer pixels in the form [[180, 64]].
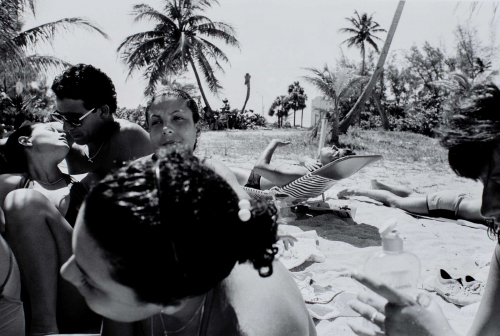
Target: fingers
[[285, 244], [368, 312], [373, 300], [363, 331], [424, 300], [392, 295]]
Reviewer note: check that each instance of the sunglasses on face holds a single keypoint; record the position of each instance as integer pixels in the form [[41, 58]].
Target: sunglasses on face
[[73, 121]]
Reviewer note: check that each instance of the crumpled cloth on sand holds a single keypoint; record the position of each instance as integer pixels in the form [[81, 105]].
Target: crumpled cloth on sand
[[305, 249], [326, 294]]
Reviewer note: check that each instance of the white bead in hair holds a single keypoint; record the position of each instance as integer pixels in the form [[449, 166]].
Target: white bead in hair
[[244, 215], [244, 204]]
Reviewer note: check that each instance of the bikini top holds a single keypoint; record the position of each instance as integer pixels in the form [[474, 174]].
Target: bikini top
[[77, 193]]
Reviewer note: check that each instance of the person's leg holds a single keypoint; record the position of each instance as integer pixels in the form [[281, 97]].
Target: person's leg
[[41, 240], [414, 204], [470, 209], [397, 190], [241, 174]]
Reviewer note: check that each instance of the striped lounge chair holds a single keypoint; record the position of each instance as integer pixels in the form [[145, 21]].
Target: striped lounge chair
[[317, 182]]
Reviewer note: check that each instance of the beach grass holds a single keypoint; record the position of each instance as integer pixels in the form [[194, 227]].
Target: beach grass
[[235, 146]]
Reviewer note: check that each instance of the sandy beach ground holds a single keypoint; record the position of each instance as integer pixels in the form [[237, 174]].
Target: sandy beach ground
[[458, 249]]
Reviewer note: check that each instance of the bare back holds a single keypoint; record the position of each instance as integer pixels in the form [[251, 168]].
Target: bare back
[[126, 142]]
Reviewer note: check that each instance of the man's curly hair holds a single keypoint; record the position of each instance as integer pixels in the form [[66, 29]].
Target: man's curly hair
[[179, 242], [85, 82]]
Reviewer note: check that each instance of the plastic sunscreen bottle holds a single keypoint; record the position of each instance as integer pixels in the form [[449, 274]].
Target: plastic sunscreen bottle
[[395, 267]]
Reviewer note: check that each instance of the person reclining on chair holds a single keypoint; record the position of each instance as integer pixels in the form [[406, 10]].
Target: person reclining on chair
[[264, 176], [445, 203]]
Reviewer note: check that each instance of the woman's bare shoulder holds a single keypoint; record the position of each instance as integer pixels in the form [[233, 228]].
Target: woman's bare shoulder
[[266, 305], [10, 181]]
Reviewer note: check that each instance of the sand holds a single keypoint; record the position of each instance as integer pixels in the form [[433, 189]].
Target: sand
[[348, 244]]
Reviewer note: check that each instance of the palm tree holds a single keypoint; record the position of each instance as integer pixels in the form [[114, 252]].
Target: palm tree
[[178, 39], [363, 30], [367, 91], [247, 83], [333, 85], [18, 60], [296, 99], [280, 108]]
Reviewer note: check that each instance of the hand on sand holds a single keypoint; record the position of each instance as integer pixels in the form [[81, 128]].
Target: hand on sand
[[346, 193], [396, 313], [280, 143], [287, 239]]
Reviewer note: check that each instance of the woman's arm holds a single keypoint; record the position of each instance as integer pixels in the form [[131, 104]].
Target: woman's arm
[[279, 175], [223, 171], [487, 322]]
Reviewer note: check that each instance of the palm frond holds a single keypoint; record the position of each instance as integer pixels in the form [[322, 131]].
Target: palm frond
[[219, 30], [43, 63], [45, 33], [146, 12], [208, 72], [372, 43], [132, 40], [214, 51]]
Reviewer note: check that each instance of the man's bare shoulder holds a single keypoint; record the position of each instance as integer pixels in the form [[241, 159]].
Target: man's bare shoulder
[[128, 128], [274, 300], [131, 137]]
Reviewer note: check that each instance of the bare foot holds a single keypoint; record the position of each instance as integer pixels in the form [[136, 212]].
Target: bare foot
[[377, 185], [347, 192]]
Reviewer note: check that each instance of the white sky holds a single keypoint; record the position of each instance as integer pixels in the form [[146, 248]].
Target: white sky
[[278, 39]]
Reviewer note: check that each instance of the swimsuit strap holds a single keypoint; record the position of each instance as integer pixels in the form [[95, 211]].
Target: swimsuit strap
[[11, 262], [25, 181], [208, 309]]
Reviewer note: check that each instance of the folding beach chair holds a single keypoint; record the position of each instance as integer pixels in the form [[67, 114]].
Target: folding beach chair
[[317, 182]]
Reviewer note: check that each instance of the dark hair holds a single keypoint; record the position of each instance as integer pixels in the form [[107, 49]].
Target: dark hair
[[199, 217], [473, 130], [175, 94], [473, 133], [87, 83], [14, 151]]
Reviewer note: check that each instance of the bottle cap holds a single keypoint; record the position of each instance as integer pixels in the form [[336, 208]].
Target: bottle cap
[[391, 239]]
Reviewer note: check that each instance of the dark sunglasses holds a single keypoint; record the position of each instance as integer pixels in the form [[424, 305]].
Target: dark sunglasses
[[73, 121]]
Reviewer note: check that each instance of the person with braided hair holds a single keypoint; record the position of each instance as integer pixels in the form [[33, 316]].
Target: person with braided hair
[[165, 246]]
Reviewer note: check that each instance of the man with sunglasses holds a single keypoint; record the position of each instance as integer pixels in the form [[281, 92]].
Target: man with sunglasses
[[85, 106]]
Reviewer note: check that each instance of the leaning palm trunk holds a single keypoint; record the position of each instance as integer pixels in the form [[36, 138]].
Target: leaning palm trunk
[[334, 120], [199, 84], [247, 83], [322, 135], [356, 109], [383, 115]]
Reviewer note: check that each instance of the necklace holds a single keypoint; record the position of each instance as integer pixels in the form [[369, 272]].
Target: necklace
[[50, 183], [91, 158], [201, 307]]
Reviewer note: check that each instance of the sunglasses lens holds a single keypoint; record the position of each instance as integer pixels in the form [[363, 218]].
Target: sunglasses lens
[[63, 119], [57, 118]]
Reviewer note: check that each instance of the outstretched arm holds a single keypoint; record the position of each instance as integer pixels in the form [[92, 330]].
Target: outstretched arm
[[280, 175], [486, 321]]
